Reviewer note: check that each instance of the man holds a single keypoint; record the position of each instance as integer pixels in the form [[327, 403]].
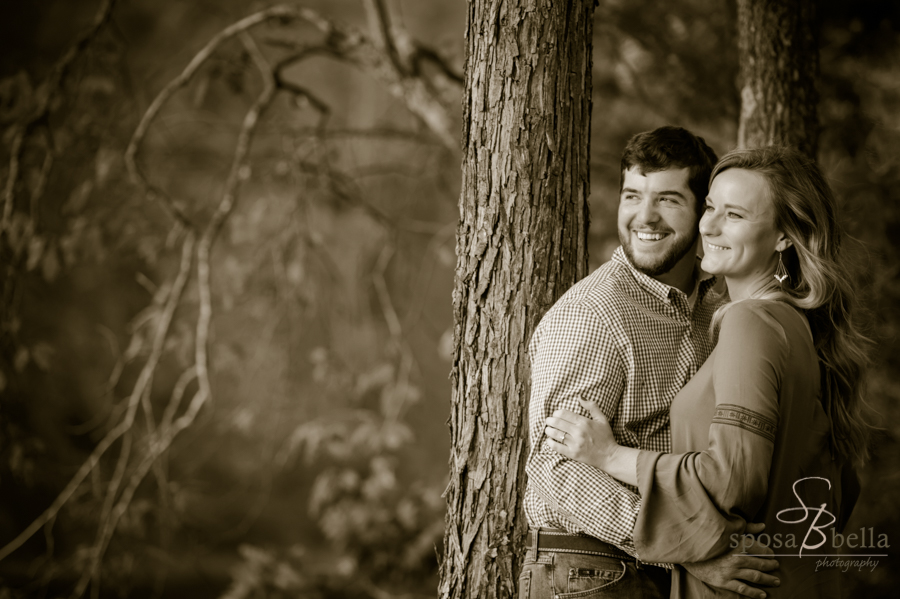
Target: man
[[627, 338]]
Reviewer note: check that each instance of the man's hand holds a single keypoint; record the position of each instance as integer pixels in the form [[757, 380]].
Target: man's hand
[[733, 571]]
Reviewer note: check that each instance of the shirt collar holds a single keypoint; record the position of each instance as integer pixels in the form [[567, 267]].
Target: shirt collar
[[661, 290]]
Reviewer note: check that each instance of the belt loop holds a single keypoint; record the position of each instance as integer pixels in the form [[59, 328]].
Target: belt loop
[[535, 532]]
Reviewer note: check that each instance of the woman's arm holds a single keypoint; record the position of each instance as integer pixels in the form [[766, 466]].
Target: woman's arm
[[696, 504], [590, 440], [693, 503]]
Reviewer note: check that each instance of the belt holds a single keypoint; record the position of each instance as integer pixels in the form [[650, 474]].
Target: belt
[[558, 540]]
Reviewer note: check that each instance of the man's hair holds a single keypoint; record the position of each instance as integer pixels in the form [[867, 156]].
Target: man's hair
[[671, 148]]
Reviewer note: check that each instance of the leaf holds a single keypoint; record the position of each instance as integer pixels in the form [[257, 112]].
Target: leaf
[[407, 513], [50, 264], [243, 420], [395, 434], [374, 378], [254, 554], [446, 345], [286, 578], [16, 94], [35, 252], [78, 198], [382, 479], [18, 232], [395, 397], [295, 273], [16, 458], [98, 84], [41, 354], [319, 358], [446, 256], [21, 359]]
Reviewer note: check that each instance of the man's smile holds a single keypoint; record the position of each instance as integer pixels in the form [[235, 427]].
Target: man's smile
[[650, 235]]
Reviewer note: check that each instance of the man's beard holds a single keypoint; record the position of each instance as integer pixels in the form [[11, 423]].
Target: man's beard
[[664, 263]]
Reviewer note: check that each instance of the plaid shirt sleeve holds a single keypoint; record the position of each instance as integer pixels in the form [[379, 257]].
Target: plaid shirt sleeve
[[574, 354]]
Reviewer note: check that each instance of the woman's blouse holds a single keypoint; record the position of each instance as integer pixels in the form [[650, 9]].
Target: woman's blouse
[[758, 438]]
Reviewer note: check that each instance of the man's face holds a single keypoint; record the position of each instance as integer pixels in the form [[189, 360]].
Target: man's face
[[657, 220]]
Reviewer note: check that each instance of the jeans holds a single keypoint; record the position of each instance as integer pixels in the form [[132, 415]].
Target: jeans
[[562, 575]]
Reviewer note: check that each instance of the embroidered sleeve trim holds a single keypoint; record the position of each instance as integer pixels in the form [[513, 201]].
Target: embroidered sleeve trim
[[746, 419]]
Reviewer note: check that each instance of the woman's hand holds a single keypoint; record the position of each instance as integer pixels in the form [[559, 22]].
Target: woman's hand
[[587, 440]]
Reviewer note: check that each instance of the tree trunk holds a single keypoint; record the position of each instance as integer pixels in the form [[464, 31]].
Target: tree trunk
[[521, 242], [779, 68]]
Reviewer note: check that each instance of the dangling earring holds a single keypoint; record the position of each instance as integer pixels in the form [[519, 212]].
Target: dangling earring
[[781, 272]]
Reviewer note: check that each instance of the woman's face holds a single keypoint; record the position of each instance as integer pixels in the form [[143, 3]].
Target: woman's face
[[740, 241]]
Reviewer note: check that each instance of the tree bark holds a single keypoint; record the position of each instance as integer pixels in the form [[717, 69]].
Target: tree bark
[[779, 59], [521, 242]]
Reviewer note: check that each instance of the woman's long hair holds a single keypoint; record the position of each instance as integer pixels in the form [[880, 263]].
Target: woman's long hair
[[820, 283]]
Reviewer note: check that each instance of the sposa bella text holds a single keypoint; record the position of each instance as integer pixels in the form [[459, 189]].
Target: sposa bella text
[[864, 540]]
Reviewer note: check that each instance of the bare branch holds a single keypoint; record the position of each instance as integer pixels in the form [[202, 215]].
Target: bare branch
[[384, 297], [415, 91], [424, 54], [239, 172], [113, 435], [177, 394], [420, 98], [382, 34], [41, 183], [275, 12], [12, 178], [341, 185], [317, 103], [300, 92]]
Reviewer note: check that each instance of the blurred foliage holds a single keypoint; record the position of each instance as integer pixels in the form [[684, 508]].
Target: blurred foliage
[[385, 533], [317, 468]]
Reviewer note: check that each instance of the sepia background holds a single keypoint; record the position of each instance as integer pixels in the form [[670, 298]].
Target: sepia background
[[312, 277]]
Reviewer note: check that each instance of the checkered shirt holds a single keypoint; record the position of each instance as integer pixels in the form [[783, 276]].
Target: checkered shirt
[[629, 343]]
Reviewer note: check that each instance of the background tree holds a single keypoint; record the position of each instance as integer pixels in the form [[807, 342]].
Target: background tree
[[521, 242], [779, 58]]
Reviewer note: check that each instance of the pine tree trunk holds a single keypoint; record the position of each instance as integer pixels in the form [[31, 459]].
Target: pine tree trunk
[[521, 243], [779, 68]]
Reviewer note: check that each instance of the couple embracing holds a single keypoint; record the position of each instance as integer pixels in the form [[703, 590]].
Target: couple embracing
[[678, 403]]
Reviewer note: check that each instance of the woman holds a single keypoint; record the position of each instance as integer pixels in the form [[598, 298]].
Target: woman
[[772, 419]]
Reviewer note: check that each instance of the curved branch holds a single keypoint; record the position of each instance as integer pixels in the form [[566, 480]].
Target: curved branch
[[165, 434], [423, 54], [347, 44], [12, 178], [282, 12], [380, 25], [125, 425], [384, 296], [413, 90]]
